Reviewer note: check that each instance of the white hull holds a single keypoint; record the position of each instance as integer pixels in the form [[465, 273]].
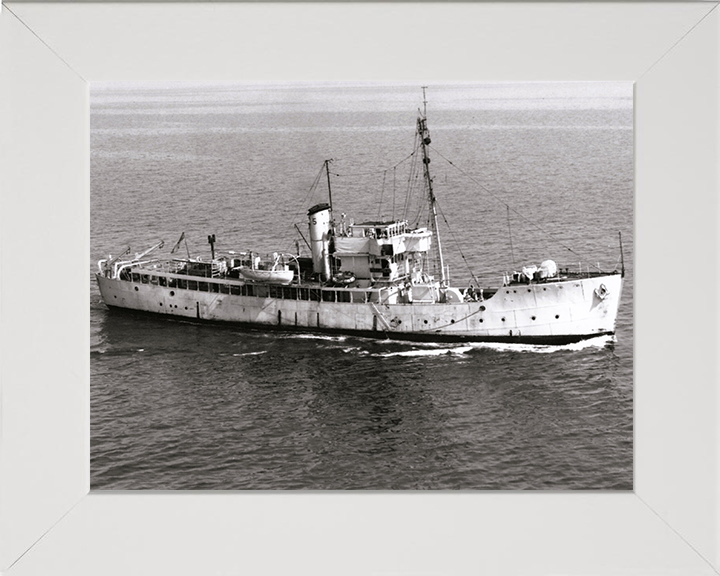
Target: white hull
[[555, 312]]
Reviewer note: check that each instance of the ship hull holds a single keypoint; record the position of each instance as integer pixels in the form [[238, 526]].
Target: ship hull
[[549, 313]]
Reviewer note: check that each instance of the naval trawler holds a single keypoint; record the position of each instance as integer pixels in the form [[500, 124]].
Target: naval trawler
[[381, 279]]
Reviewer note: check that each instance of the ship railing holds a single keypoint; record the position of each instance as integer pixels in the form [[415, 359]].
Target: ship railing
[[563, 273], [240, 288], [294, 259], [177, 266], [579, 270], [120, 266]]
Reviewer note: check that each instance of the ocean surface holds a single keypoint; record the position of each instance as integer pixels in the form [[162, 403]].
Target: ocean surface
[[536, 171]]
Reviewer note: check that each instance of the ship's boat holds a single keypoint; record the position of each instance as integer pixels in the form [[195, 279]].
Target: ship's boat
[[374, 278], [276, 271]]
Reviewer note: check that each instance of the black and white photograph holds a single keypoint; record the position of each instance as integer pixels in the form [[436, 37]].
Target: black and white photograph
[[364, 288], [361, 286]]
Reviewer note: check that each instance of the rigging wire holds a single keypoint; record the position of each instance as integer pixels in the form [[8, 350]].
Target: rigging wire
[[509, 208], [394, 175], [512, 252], [414, 173], [309, 194], [457, 244], [411, 194], [313, 187], [382, 192], [422, 211], [374, 172]]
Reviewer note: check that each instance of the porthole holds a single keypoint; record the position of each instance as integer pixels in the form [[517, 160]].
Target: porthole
[[115, 296], [532, 317], [425, 321], [481, 320], [482, 308], [452, 321], [557, 316], [503, 318], [136, 288], [529, 290], [172, 292], [160, 303], [544, 289]]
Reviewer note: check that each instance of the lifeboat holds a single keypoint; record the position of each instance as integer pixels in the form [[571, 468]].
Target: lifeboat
[[268, 276]]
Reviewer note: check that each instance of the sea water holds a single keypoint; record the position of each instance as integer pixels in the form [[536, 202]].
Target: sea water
[[522, 173]]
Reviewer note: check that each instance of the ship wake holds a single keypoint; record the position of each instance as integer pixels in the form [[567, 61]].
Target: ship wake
[[434, 349]]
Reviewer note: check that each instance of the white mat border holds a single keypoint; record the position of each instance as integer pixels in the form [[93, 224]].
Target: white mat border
[[666, 48]]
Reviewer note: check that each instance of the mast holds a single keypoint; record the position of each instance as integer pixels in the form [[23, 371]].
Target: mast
[[424, 134], [327, 171], [211, 241]]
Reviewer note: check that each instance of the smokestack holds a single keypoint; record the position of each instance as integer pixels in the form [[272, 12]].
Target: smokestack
[[319, 223]]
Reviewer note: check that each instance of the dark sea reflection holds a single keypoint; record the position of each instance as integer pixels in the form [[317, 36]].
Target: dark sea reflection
[[180, 405], [209, 407]]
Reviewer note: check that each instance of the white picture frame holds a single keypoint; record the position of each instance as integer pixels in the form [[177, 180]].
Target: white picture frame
[[51, 523]]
